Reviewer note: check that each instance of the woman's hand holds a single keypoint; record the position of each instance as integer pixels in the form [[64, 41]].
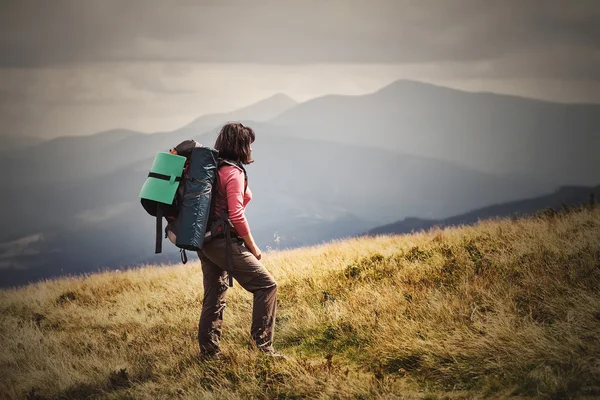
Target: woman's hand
[[251, 245], [257, 253]]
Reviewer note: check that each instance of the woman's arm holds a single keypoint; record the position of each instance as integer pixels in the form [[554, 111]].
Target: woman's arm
[[234, 186]]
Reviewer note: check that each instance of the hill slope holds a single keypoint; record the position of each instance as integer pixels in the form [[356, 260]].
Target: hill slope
[[499, 309]]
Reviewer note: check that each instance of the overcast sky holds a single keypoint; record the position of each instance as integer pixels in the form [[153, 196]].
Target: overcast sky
[[82, 66]]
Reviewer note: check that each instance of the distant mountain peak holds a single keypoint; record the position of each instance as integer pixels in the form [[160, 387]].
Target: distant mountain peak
[[276, 101], [410, 85], [262, 110], [116, 132], [279, 97]]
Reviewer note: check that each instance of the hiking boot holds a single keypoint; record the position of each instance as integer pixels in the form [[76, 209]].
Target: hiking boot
[[275, 355], [270, 352], [267, 350], [206, 356]]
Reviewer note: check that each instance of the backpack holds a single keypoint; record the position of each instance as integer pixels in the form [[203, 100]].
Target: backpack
[[179, 188]]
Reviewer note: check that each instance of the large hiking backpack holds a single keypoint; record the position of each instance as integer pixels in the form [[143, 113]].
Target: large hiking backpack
[[179, 188]]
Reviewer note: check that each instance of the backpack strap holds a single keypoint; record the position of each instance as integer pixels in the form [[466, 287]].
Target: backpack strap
[[223, 221], [159, 216], [223, 161]]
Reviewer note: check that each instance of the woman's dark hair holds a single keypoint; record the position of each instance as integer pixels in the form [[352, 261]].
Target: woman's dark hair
[[234, 142]]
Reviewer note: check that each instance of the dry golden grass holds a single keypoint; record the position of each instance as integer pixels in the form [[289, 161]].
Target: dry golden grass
[[503, 308]]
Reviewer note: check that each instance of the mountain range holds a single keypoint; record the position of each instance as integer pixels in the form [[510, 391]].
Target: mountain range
[[327, 168], [494, 133]]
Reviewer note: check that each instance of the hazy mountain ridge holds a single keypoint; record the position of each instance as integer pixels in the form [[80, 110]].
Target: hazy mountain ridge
[[68, 158], [52, 171], [264, 110], [10, 143], [494, 133], [565, 196]]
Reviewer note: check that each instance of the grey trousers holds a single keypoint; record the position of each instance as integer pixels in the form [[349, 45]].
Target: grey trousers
[[252, 276]]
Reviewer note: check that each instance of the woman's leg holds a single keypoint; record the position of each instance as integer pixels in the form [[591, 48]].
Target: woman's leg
[[263, 311], [213, 305], [255, 278]]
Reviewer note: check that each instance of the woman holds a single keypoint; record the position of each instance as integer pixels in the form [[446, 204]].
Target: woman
[[234, 146]]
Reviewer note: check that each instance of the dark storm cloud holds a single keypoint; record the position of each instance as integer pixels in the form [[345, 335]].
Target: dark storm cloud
[[560, 37]]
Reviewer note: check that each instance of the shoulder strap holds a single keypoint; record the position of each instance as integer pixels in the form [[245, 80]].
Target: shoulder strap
[[158, 240], [224, 222], [223, 162]]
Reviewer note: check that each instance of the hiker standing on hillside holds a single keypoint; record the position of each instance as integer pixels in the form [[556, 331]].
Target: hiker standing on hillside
[[233, 194]]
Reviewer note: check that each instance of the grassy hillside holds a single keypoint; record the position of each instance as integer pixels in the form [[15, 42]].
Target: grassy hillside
[[506, 307]]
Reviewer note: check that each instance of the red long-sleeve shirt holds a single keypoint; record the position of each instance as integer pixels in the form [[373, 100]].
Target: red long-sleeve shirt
[[231, 190]]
